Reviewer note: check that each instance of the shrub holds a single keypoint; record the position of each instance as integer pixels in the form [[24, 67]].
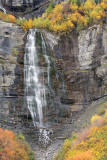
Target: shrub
[[21, 136], [102, 109], [90, 144], [95, 119], [12, 19], [84, 134], [7, 18], [64, 17], [50, 8], [12, 147], [88, 155]]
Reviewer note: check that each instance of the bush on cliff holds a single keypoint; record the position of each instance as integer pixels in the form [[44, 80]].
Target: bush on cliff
[[7, 17], [67, 16], [64, 17], [14, 147]]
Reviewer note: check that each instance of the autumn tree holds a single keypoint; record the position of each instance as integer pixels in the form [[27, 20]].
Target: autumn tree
[[13, 147]]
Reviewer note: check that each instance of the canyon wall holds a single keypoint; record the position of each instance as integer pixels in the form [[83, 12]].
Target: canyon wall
[[28, 8], [83, 59]]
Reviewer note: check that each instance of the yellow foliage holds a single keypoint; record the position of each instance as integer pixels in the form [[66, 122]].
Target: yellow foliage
[[90, 144], [28, 24], [97, 13], [73, 7], [88, 155], [95, 118], [88, 6], [64, 17]]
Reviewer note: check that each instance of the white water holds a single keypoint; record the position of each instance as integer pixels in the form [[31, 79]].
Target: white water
[[46, 57], [1, 7], [34, 85], [35, 80]]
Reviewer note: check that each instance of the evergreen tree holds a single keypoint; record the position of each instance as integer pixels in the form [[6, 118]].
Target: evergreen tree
[[78, 2]]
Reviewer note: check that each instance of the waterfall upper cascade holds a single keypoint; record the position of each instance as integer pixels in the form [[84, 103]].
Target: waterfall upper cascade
[[34, 88]]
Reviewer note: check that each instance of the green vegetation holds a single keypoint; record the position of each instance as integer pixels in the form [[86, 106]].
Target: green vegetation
[[50, 8], [2, 61], [14, 51]]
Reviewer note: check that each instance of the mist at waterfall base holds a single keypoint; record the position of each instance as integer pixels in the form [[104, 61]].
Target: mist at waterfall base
[[38, 84]]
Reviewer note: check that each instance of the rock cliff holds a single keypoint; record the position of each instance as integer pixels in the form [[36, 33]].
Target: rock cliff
[[11, 73], [83, 58], [28, 8]]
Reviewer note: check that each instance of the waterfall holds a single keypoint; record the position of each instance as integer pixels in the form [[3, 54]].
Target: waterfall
[[46, 57], [1, 7], [34, 85], [43, 85]]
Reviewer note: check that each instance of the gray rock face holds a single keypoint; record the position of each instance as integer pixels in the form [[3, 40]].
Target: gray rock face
[[18, 3], [23, 3], [28, 8], [11, 73], [83, 59]]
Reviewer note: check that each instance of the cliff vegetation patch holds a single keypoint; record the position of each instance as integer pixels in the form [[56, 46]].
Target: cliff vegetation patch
[[65, 17], [14, 147]]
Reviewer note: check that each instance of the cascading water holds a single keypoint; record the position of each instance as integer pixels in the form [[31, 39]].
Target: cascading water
[[34, 88], [34, 82], [41, 96], [1, 7]]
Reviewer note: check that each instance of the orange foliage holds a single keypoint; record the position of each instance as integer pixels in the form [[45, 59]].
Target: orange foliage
[[90, 144], [88, 155], [12, 19], [84, 134], [7, 18], [11, 148]]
